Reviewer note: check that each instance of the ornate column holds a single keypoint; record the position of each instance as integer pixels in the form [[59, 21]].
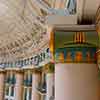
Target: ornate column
[[2, 84], [49, 69], [35, 82], [76, 75], [19, 85]]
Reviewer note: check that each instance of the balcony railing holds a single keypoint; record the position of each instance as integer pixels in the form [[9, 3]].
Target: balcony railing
[[32, 61]]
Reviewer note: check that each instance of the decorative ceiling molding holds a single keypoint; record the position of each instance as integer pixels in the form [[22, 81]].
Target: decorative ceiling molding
[[23, 28]]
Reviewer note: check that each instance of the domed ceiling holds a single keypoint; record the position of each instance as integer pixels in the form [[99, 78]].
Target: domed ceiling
[[22, 29]]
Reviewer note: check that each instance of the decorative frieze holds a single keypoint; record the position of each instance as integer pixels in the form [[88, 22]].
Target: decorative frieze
[[78, 50], [76, 55]]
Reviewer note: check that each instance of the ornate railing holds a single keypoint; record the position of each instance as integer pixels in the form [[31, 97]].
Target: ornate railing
[[34, 60]]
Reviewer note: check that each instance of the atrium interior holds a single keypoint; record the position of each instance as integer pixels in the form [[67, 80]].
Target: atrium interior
[[49, 49]]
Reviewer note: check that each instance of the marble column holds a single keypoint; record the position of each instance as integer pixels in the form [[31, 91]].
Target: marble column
[[76, 82], [50, 85], [19, 86], [76, 73], [35, 83], [2, 85], [50, 81]]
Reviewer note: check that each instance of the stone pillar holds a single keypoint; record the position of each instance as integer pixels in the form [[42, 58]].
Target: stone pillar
[[19, 86], [50, 81], [35, 83], [76, 73], [76, 82], [2, 85], [50, 85]]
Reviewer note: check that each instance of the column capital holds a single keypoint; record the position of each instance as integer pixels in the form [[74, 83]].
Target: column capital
[[19, 71], [36, 71], [2, 71], [49, 68]]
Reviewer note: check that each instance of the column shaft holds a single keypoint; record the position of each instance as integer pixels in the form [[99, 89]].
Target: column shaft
[[50, 85], [35, 83], [76, 81], [19, 86], [2, 85]]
